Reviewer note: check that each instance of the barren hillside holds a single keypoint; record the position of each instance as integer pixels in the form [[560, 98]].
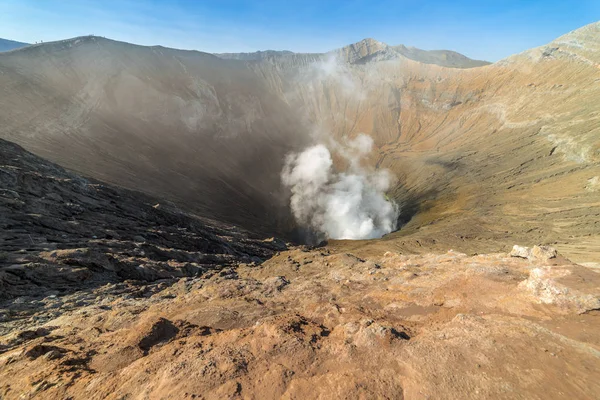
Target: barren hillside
[[483, 155], [184, 125]]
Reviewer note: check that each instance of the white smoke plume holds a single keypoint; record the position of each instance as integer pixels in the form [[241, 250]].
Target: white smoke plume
[[340, 205]]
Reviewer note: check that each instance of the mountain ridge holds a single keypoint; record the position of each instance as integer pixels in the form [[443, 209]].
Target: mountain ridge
[[368, 47], [8, 45]]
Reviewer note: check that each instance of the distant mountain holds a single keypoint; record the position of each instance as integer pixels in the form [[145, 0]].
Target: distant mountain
[[255, 56], [445, 58], [366, 50], [6, 45]]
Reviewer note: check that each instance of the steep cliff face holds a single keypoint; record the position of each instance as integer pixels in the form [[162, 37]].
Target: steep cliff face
[[187, 126]]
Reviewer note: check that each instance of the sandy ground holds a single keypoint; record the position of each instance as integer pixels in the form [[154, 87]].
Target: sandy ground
[[323, 324]]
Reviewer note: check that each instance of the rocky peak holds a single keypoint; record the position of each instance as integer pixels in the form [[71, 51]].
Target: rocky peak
[[586, 35], [359, 50]]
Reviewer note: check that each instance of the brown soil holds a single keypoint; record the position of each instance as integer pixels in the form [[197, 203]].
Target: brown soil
[[324, 324]]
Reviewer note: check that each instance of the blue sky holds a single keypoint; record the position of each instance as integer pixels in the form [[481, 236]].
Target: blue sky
[[483, 29]]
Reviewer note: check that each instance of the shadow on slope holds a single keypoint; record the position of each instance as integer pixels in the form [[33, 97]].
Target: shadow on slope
[[61, 232]]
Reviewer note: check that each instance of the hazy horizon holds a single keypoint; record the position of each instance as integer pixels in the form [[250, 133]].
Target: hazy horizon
[[479, 31]]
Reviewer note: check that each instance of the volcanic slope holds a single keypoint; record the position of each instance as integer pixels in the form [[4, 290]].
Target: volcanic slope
[[184, 125], [484, 156], [61, 233], [106, 295]]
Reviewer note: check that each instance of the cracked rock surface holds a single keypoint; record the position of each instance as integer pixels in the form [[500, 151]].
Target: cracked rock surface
[[318, 323]]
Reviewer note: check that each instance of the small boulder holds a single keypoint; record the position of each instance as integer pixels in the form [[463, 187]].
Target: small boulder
[[537, 253], [368, 333], [543, 252], [42, 350], [52, 355], [276, 244], [520, 251], [546, 286], [276, 282]]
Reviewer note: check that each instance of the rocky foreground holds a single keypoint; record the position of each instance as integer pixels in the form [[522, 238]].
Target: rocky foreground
[[318, 323]]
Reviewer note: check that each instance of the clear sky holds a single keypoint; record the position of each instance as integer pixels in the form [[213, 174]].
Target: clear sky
[[483, 29]]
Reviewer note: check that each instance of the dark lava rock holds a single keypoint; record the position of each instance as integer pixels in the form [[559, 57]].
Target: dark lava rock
[[60, 232]]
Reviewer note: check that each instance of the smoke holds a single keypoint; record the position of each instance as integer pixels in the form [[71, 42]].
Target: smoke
[[340, 205], [332, 69]]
